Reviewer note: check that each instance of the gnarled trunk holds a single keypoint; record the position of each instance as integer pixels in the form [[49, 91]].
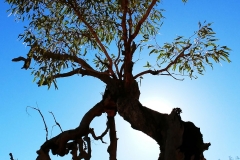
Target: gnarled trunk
[[178, 140]]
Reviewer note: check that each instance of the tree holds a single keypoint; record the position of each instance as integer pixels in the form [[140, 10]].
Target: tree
[[62, 36]]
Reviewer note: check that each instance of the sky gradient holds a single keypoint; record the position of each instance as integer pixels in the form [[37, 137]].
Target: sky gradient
[[211, 102]]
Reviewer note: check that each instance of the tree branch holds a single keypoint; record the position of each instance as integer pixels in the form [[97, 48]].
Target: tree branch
[[85, 68], [104, 77], [112, 149], [124, 5], [50, 55], [73, 146], [27, 61], [56, 121], [157, 72], [169, 74], [116, 61], [102, 62], [101, 136], [95, 36], [142, 20], [88, 140], [11, 156], [58, 144], [42, 119], [83, 153]]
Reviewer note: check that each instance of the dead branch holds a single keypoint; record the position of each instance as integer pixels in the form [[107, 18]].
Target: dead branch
[[27, 61], [56, 121], [42, 119], [11, 156], [99, 137]]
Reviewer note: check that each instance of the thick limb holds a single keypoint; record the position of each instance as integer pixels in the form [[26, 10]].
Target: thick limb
[[59, 145], [177, 139]]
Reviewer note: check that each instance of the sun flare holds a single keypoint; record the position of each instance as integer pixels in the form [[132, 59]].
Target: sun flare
[[158, 104]]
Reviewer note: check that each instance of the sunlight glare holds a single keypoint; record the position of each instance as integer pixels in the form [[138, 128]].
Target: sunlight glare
[[161, 105], [158, 104]]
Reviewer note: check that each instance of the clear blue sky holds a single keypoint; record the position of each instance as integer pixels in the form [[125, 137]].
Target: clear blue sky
[[212, 101]]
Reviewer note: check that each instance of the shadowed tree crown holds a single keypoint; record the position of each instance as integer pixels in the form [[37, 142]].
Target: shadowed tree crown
[[74, 37]]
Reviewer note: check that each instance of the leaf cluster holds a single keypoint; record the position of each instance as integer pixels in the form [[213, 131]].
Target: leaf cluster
[[72, 35], [190, 55], [79, 28]]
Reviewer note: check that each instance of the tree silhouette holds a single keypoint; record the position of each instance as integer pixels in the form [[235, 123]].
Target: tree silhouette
[[76, 37]]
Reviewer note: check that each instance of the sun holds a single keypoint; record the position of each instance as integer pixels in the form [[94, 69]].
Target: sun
[[159, 104], [143, 144]]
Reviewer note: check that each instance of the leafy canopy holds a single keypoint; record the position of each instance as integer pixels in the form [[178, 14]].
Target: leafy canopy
[[68, 37]]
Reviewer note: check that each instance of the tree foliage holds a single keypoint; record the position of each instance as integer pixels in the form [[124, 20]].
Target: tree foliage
[[64, 35]]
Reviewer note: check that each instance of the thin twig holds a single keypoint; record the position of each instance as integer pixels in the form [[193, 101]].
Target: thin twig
[[42, 119], [91, 131], [56, 122], [174, 77]]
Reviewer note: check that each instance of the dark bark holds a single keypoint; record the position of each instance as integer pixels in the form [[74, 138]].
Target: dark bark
[[11, 156], [59, 145], [112, 149], [178, 140]]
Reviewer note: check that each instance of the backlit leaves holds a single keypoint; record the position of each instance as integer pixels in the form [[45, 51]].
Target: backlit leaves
[[85, 29], [193, 54]]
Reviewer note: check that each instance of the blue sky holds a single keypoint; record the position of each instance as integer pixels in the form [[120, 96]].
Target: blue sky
[[212, 101]]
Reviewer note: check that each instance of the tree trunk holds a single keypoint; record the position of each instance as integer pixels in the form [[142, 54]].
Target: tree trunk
[[178, 140]]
